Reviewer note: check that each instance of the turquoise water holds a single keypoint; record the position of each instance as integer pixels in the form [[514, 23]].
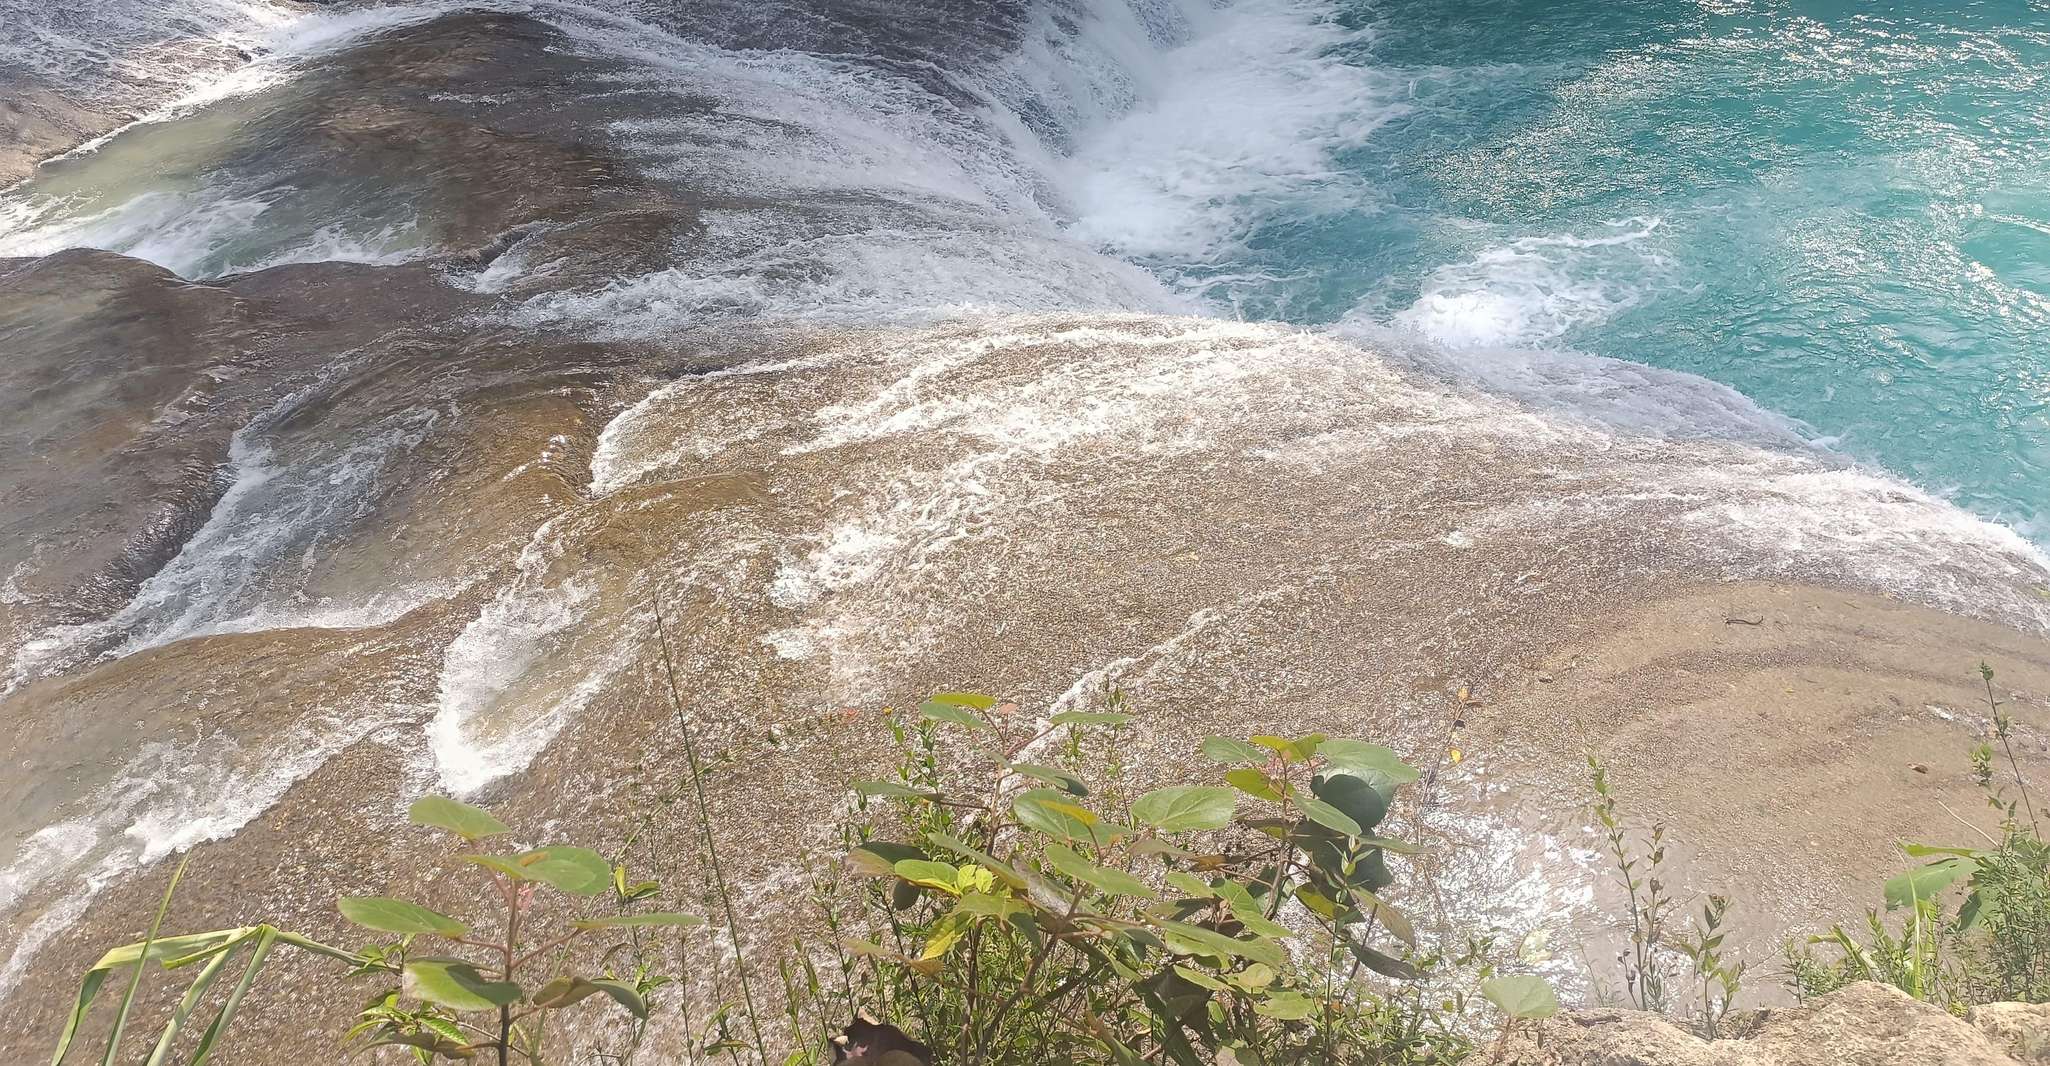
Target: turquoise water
[[1842, 210]]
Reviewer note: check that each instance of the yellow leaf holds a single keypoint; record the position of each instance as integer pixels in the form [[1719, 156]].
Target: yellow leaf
[[1455, 754]]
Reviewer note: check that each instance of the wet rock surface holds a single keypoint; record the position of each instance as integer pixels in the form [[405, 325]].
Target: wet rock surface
[[289, 543]]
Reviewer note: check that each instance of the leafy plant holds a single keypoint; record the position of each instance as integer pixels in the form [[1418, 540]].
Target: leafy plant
[[1720, 977], [1647, 963], [1040, 919], [445, 990], [1995, 945]]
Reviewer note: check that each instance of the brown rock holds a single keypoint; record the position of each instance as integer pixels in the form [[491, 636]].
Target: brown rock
[[1866, 1024]]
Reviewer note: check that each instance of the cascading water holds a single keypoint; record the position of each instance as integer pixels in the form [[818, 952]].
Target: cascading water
[[899, 343]]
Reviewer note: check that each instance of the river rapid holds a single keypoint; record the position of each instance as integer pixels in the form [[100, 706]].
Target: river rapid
[[372, 370]]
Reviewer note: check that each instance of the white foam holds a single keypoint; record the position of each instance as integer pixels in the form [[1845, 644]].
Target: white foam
[[1241, 120], [166, 799], [1533, 291], [237, 573], [508, 681]]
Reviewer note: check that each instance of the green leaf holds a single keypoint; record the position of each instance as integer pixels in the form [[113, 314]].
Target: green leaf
[[1105, 880], [1190, 885], [1185, 807], [567, 991], [135, 981], [1047, 811], [1060, 779], [1367, 760], [1927, 881], [1358, 798], [1189, 939], [891, 788], [1231, 752], [625, 995], [1092, 718], [563, 992], [470, 823], [398, 916], [265, 941], [1923, 851], [1325, 814], [879, 858], [1256, 923], [1253, 783], [1286, 1005], [946, 932], [578, 871], [635, 921], [1383, 964], [929, 874], [457, 985], [1001, 869], [1396, 922], [174, 949], [986, 905], [971, 700], [1522, 996], [947, 712]]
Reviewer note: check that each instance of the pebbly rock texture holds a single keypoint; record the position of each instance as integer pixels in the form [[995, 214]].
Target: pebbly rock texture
[[1866, 1024], [2022, 1028]]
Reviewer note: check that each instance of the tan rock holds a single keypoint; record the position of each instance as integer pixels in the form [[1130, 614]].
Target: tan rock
[[2023, 1029], [1864, 1025]]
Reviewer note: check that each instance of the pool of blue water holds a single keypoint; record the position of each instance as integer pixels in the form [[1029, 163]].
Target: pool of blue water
[[1842, 210]]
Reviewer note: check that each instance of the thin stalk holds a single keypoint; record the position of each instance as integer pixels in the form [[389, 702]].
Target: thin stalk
[[690, 754], [2007, 746], [141, 964]]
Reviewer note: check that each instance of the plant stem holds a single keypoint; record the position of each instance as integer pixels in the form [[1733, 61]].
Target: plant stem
[[690, 754], [2008, 747]]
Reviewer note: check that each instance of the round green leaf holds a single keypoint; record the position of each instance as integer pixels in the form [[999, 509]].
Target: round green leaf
[[1049, 812], [1357, 797], [1367, 760], [397, 916], [929, 874], [972, 700], [1184, 807], [1286, 1005], [1231, 752], [457, 985], [1253, 783], [579, 871], [440, 812], [947, 712], [879, 858], [1522, 996], [1927, 881]]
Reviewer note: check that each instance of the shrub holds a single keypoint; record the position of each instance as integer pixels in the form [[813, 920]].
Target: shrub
[[444, 987], [1040, 919], [1033, 919], [1995, 944]]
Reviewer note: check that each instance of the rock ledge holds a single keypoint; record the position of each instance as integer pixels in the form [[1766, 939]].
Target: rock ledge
[[1865, 1024]]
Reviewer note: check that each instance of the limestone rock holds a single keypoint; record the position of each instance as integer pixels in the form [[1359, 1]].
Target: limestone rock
[[1865, 1024], [2023, 1029]]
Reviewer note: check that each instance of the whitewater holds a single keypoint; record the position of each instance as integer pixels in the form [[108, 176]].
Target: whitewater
[[1134, 335]]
